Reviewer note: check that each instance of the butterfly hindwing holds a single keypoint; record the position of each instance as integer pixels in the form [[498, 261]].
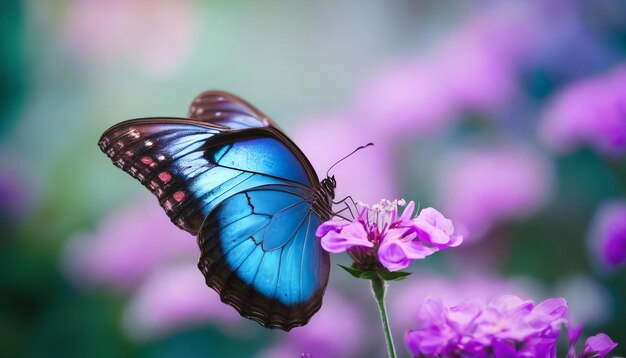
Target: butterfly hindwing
[[276, 277]]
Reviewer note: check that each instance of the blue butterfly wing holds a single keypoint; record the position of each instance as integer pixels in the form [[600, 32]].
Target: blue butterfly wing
[[201, 168], [190, 170], [260, 252]]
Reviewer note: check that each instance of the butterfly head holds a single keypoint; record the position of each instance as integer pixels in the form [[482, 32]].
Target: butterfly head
[[328, 186]]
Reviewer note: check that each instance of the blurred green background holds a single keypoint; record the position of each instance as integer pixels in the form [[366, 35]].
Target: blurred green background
[[71, 69]]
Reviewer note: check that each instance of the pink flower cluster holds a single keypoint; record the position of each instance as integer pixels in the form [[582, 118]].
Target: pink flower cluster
[[483, 185], [590, 112], [137, 251], [506, 326], [379, 236], [607, 237]]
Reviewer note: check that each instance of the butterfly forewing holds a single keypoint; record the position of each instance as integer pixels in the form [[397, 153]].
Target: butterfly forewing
[[227, 110]]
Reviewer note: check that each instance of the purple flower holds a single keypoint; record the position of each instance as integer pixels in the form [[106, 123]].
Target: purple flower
[[507, 326], [405, 300], [172, 298], [137, 250], [17, 192], [483, 185], [595, 346], [598, 346], [378, 236], [590, 112], [409, 92], [420, 95], [339, 236], [126, 247], [607, 237]]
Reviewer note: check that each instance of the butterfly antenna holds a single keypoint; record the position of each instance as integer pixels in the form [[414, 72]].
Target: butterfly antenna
[[354, 151]]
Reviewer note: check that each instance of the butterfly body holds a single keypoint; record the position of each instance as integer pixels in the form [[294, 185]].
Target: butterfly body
[[228, 175]]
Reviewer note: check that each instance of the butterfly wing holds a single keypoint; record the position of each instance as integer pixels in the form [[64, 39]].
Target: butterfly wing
[[203, 167], [228, 110], [191, 166], [260, 252]]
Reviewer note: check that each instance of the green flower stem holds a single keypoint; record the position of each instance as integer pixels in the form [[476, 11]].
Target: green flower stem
[[378, 287]]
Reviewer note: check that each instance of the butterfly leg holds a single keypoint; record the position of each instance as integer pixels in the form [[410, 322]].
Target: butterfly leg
[[347, 207], [344, 201]]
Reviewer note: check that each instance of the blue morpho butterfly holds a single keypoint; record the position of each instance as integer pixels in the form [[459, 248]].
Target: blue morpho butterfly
[[228, 175]]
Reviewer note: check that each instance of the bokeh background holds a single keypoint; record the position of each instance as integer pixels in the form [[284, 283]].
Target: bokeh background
[[509, 117]]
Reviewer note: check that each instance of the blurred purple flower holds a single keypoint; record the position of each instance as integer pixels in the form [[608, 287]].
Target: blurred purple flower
[[326, 139], [592, 112], [506, 326], [337, 330], [378, 236], [17, 192], [156, 36], [172, 298], [417, 97], [403, 99], [607, 237], [481, 186], [405, 299], [598, 346], [595, 346], [11, 194], [138, 250], [126, 247]]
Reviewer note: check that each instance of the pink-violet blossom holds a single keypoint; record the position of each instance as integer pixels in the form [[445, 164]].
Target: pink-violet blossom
[[18, 193], [505, 326], [406, 299], [171, 298], [597, 346], [420, 95], [126, 246], [379, 237], [607, 237], [136, 250], [486, 184], [589, 112]]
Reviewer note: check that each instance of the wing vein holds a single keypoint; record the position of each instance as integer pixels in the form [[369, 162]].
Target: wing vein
[[303, 249]]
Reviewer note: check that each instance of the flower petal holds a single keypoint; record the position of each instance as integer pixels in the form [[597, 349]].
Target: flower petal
[[392, 256], [417, 250], [455, 240], [351, 235], [407, 214], [550, 312], [436, 219], [332, 225], [598, 346]]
